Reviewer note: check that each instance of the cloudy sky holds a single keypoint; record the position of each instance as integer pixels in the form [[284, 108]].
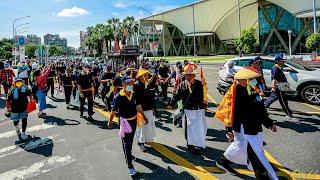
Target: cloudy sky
[[68, 17]]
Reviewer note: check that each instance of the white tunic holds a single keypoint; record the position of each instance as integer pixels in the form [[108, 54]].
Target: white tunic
[[147, 132], [237, 151], [196, 127]]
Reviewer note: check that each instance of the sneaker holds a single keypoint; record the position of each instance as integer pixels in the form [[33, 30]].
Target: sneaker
[[90, 118], [143, 147], [24, 136], [17, 130], [225, 166], [132, 171]]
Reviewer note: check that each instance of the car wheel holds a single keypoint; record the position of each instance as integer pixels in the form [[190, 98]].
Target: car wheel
[[311, 94]]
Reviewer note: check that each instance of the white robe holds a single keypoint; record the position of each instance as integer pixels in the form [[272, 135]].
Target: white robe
[[147, 132], [196, 127], [237, 151]]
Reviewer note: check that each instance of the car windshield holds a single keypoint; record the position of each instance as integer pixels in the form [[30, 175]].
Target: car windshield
[[297, 65]]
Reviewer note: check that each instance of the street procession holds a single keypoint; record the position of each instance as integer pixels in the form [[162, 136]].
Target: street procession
[[156, 95]]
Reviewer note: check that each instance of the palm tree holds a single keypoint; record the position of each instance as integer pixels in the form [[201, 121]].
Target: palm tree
[[131, 26]]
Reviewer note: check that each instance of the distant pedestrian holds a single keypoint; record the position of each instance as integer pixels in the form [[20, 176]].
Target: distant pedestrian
[[86, 89], [67, 82], [279, 87], [40, 88]]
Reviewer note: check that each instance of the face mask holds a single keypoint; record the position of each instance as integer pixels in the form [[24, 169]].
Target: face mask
[[253, 82], [129, 88]]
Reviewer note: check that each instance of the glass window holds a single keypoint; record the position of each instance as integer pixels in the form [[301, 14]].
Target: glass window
[[267, 64], [243, 62]]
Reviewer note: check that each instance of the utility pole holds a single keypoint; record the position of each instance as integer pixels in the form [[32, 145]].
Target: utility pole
[[194, 34]]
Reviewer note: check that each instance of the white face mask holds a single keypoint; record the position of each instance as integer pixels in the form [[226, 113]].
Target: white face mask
[[253, 82], [129, 88]]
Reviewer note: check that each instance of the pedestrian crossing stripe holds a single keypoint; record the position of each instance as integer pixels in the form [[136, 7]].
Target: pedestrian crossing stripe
[[31, 129], [37, 168]]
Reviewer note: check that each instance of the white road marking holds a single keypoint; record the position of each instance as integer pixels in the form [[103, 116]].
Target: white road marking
[[31, 129], [30, 148], [37, 168]]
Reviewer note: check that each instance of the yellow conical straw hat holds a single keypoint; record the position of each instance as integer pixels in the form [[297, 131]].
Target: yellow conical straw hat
[[141, 72], [246, 73]]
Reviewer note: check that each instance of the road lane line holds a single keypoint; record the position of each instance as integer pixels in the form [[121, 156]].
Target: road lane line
[[31, 129], [212, 100], [197, 171], [278, 165], [37, 168], [312, 106], [107, 114]]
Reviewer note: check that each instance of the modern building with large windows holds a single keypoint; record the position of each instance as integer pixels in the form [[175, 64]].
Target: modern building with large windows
[[209, 27]]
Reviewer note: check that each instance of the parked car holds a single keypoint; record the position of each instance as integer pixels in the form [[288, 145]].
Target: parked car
[[305, 82]]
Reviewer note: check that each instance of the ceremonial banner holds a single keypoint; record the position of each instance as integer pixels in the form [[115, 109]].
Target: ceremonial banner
[[225, 110]]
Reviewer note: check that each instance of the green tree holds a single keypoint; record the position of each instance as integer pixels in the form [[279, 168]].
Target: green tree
[[130, 25], [246, 42], [55, 50], [313, 41], [30, 50], [6, 46]]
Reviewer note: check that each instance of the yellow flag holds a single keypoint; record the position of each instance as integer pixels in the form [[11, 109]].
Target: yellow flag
[[225, 110], [205, 87]]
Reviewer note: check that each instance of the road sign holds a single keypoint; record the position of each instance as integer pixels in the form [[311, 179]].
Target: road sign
[[21, 41]]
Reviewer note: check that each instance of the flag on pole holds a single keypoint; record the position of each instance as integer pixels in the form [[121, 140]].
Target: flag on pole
[[205, 87], [178, 80], [225, 111]]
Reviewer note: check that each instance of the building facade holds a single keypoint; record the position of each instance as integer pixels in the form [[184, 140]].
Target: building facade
[[50, 39], [33, 39], [83, 36], [210, 27]]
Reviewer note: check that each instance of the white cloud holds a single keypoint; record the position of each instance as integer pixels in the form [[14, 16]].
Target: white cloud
[[73, 12], [121, 4]]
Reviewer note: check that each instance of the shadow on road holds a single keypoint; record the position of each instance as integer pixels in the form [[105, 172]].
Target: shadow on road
[[61, 122], [161, 173], [37, 145], [216, 135], [298, 127]]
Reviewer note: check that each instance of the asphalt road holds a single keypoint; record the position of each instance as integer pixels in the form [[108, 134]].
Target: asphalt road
[[63, 146]]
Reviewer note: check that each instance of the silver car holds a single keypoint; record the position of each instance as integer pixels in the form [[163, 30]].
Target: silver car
[[305, 82]]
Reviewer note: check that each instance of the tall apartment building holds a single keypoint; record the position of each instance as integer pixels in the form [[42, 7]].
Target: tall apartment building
[[34, 39], [50, 39], [83, 36]]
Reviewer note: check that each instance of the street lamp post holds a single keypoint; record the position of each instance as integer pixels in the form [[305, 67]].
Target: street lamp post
[[20, 25], [314, 17], [152, 29], [289, 34], [13, 33]]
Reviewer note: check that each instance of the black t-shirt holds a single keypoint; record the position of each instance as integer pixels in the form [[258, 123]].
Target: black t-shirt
[[163, 71], [85, 81], [190, 102], [107, 75], [125, 107], [278, 75], [143, 96], [67, 80]]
